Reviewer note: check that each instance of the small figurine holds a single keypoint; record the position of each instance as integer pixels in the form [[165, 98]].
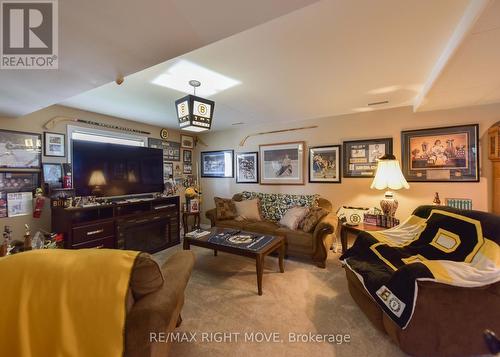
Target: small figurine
[[436, 201], [27, 237]]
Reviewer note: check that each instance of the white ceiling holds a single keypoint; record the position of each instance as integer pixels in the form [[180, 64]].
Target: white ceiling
[[99, 40], [472, 75], [333, 57]]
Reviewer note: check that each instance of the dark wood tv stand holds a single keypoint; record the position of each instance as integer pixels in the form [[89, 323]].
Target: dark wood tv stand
[[147, 225]]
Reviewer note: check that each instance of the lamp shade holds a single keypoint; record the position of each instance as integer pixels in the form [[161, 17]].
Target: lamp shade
[[194, 113], [389, 175], [97, 178]]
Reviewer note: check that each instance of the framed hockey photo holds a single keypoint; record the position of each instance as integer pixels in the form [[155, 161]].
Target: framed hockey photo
[[324, 164], [247, 167]]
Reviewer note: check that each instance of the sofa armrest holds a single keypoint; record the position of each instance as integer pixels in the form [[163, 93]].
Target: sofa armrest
[[323, 236], [158, 312], [211, 214]]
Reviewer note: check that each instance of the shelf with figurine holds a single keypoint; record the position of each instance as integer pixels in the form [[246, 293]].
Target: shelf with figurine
[[41, 240]]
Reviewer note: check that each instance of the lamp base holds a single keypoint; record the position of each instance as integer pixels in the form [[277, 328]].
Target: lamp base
[[389, 204]]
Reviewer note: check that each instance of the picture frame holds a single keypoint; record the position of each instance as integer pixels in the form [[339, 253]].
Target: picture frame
[[325, 164], [247, 167], [52, 173], [187, 169], [282, 163], [171, 149], [360, 157], [446, 154], [19, 181], [218, 164], [187, 141], [54, 144], [20, 151], [168, 170], [194, 205], [187, 156]]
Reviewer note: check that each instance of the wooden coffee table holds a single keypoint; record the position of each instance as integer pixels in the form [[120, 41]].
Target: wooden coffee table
[[276, 244]]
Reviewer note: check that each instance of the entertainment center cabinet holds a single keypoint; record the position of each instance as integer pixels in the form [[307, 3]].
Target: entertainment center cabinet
[[147, 225]]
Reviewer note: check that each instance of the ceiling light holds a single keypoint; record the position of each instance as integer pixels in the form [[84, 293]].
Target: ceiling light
[[194, 113], [179, 74]]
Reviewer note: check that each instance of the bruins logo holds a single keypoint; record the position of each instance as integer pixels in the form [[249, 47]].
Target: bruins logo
[[447, 236]]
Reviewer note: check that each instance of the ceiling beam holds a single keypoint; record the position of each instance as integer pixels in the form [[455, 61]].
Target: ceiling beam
[[464, 27]]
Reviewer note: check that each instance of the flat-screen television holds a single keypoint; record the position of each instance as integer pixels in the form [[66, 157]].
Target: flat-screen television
[[103, 169]]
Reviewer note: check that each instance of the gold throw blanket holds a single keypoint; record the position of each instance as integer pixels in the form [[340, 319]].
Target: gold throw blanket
[[64, 302]]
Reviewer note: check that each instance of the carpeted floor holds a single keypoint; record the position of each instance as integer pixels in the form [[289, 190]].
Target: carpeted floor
[[222, 297]]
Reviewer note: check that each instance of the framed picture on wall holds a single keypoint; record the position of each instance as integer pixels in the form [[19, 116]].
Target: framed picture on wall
[[217, 163], [171, 149], [168, 170], [361, 156], [282, 163], [324, 164], [187, 141], [448, 154], [187, 169], [247, 167], [54, 144], [20, 150], [187, 156], [52, 173]]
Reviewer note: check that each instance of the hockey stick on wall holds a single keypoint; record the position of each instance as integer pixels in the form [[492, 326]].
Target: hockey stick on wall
[[242, 142]]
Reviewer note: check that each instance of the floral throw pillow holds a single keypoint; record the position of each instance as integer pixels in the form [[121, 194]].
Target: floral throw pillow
[[224, 208], [312, 219]]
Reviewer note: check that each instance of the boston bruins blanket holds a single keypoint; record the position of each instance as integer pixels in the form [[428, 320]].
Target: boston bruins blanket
[[446, 247]]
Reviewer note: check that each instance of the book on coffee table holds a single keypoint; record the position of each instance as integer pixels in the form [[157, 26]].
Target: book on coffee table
[[197, 233]]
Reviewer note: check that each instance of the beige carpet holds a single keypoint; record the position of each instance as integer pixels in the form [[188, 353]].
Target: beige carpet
[[222, 297]]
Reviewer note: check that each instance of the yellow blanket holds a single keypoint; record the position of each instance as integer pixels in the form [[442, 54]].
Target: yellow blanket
[[64, 302]]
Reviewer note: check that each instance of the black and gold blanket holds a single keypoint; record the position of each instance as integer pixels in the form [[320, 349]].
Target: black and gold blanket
[[446, 247]]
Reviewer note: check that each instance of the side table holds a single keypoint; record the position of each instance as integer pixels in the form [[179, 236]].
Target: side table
[[346, 230], [196, 221]]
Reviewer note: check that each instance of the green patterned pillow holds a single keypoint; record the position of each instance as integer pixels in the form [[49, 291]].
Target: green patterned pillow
[[275, 205]]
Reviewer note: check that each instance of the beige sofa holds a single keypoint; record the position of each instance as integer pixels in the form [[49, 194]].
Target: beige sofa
[[313, 245]]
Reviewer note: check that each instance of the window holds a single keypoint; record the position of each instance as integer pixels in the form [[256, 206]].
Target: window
[[102, 136]]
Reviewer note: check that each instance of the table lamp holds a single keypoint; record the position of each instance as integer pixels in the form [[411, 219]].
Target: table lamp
[[389, 176]]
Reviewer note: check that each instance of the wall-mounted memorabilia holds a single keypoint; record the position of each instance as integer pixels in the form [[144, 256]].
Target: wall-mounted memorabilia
[[324, 164], [54, 144], [3, 204], [19, 150], [164, 134], [187, 156], [217, 163], [171, 149], [447, 154], [19, 181], [247, 167], [168, 170], [177, 171], [19, 204], [187, 141], [52, 173], [187, 169], [282, 164], [361, 156]]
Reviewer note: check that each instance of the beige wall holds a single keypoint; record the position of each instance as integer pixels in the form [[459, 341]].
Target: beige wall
[[375, 124], [34, 123]]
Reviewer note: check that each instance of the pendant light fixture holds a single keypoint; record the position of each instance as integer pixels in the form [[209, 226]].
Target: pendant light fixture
[[194, 113]]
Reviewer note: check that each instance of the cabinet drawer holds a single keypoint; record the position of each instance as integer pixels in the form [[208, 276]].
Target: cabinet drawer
[[93, 232], [108, 242]]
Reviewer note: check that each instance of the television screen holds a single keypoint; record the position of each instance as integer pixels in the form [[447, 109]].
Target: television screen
[[102, 169]]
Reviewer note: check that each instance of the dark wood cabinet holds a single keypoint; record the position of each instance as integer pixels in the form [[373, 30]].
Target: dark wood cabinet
[[147, 225]]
